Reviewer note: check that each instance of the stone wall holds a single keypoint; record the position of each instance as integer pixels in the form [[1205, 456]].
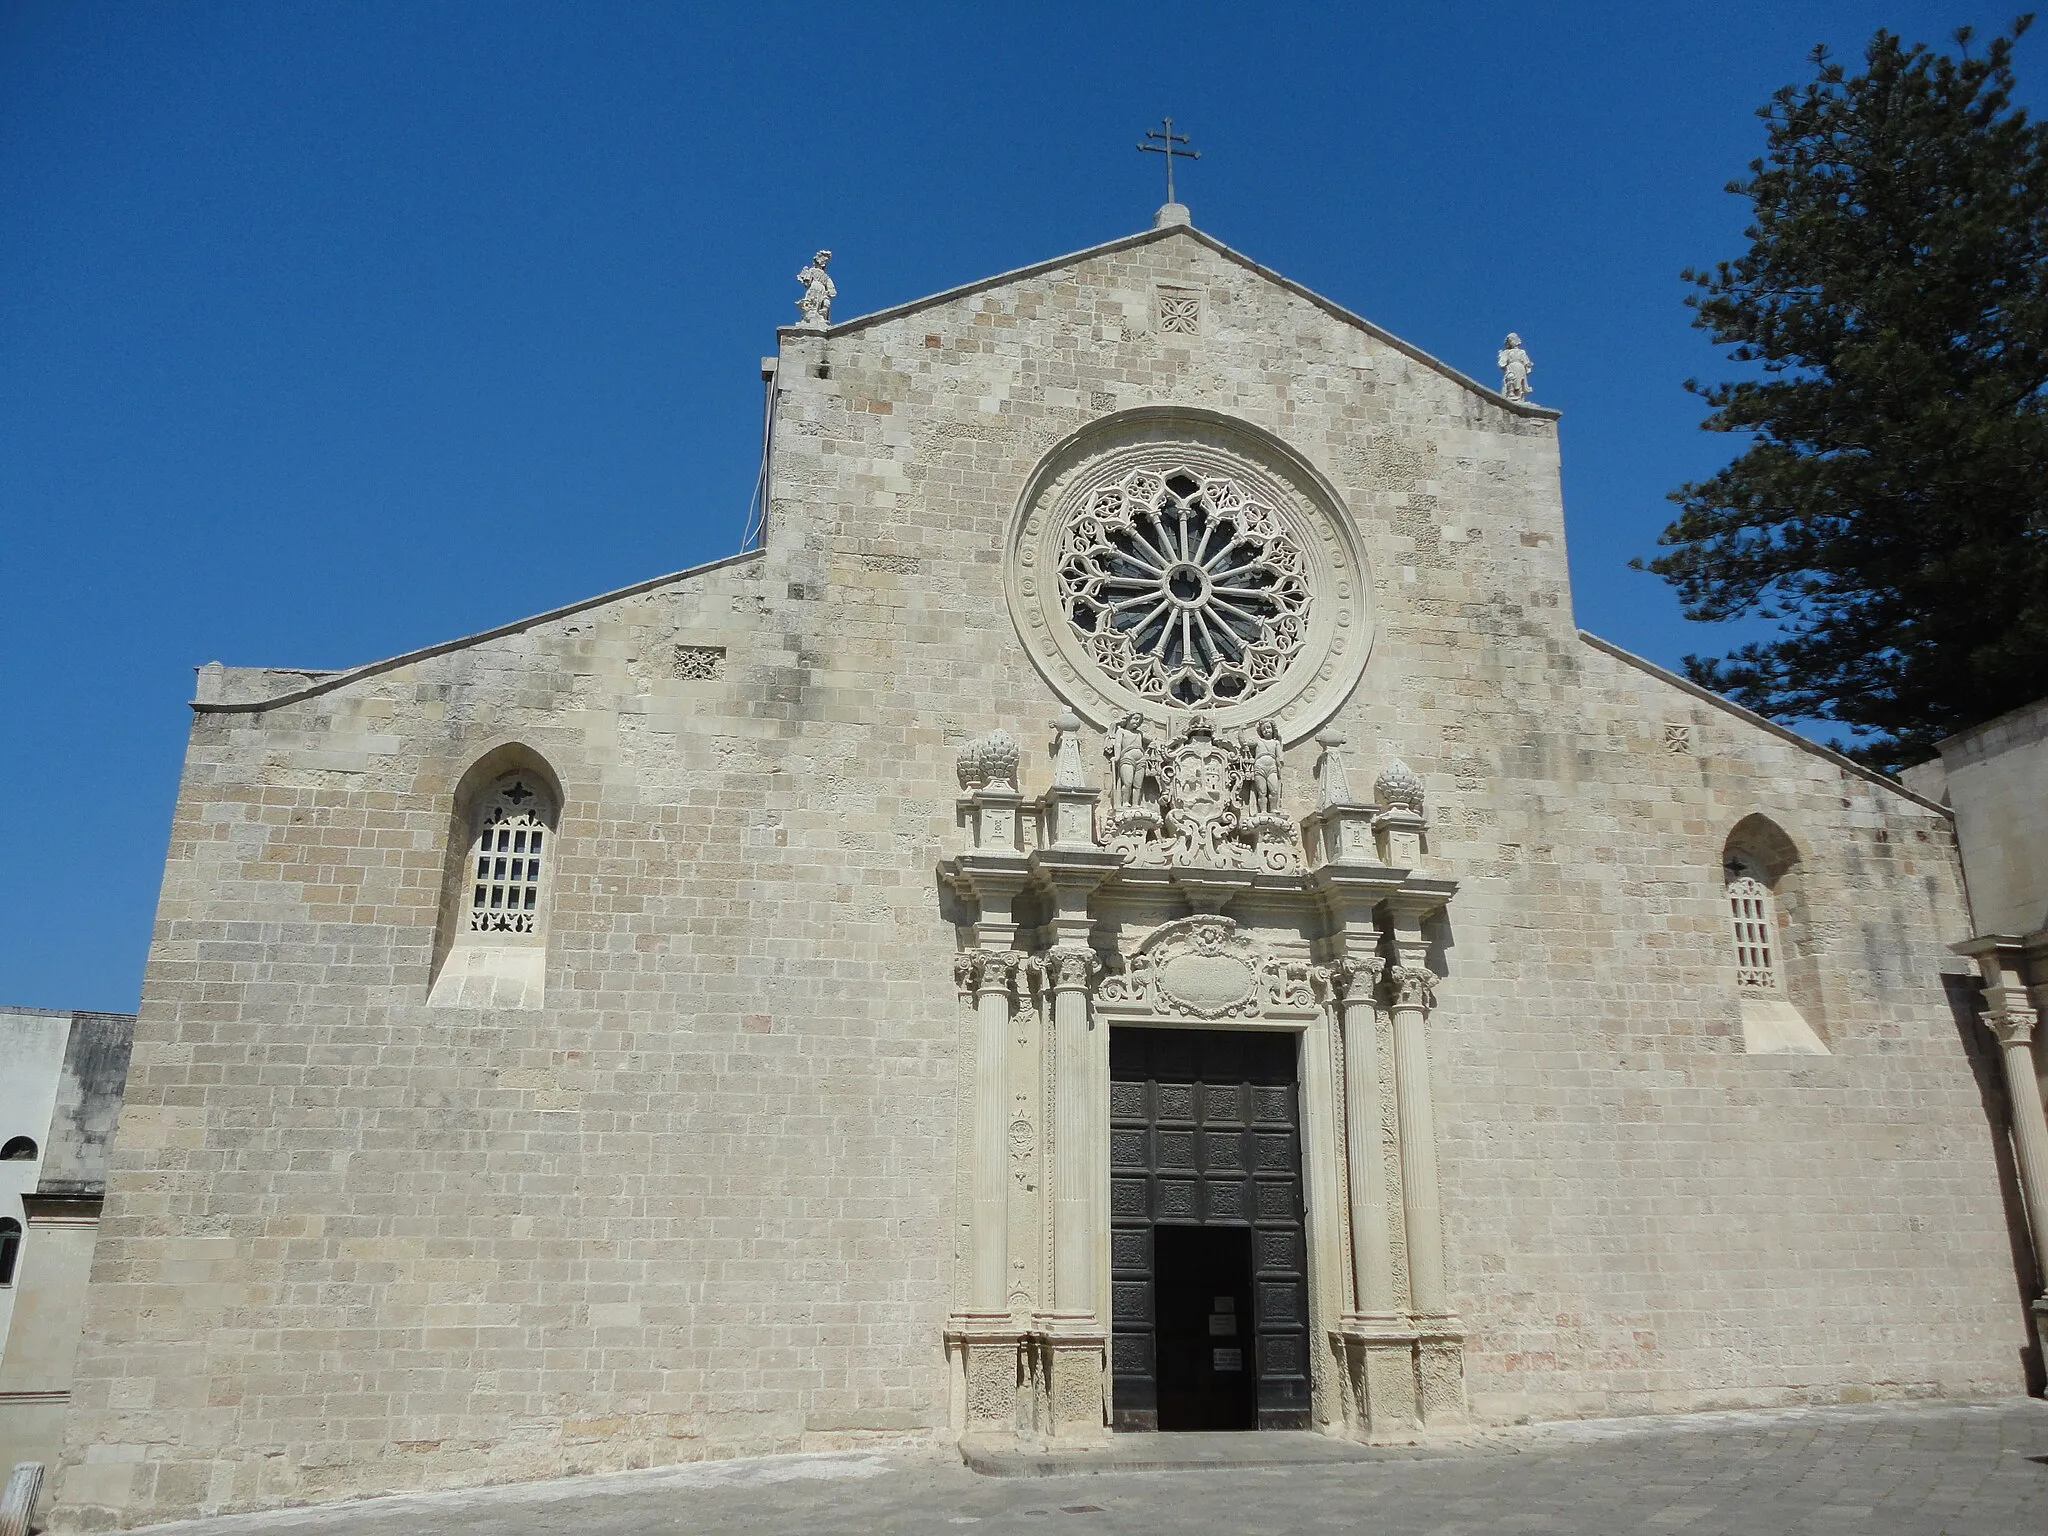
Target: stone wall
[[60, 1086], [1995, 776], [703, 1202]]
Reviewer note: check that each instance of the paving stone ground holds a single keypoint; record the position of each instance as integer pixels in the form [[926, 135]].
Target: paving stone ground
[[1947, 1470]]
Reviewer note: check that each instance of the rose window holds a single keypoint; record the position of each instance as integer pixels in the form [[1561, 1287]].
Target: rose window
[[1183, 588]]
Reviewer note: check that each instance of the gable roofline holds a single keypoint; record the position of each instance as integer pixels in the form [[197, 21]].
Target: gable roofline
[[327, 682], [1848, 765], [1147, 237]]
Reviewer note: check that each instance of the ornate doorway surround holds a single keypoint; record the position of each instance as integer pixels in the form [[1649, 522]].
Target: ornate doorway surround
[[1193, 900]]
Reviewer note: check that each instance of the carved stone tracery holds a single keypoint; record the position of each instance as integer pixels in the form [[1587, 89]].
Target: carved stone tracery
[[1184, 588]]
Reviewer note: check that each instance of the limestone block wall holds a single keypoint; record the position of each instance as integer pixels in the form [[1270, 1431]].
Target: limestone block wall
[[702, 1202]]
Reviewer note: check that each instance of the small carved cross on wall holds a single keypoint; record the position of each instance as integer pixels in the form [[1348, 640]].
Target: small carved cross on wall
[[518, 794]]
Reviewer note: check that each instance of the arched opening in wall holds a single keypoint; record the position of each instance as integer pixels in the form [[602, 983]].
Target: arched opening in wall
[[490, 949], [18, 1149], [1770, 939], [10, 1248]]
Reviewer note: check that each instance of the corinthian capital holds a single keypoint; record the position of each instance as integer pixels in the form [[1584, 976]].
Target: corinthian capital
[[1073, 966], [1414, 986], [986, 970], [1358, 978], [2011, 1024]]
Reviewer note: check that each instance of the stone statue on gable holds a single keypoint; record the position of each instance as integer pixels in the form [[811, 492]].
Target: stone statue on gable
[[815, 307], [1515, 368]]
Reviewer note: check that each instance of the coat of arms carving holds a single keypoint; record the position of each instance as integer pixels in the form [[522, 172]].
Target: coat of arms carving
[[1197, 800]]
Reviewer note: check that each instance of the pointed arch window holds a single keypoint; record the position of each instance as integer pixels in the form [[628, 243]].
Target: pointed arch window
[[1759, 867], [491, 949]]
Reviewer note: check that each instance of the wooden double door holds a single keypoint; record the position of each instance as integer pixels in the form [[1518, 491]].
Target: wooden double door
[[1209, 1282]]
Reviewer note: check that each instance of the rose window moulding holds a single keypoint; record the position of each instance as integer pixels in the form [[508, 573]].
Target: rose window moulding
[[1173, 560]]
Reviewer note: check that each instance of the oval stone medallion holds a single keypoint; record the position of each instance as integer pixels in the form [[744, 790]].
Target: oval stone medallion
[[1207, 984]]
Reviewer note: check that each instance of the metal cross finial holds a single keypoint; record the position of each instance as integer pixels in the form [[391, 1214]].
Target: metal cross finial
[[1165, 147]]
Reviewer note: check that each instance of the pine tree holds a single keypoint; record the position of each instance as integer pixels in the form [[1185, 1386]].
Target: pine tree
[[1891, 512]]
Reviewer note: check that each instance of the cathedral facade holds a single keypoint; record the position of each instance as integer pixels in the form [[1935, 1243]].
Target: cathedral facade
[[1136, 907]]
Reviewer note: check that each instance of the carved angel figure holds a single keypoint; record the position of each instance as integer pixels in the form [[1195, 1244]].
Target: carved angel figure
[[1515, 368], [1266, 766], [1129, 754], [815, 307]]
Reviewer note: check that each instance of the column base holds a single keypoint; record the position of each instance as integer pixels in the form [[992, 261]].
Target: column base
[[1440, 1371], [1401, 1375], [1073, 1357], [989, 1370]]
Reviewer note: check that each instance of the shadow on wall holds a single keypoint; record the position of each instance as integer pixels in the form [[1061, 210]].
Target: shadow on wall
[[1965, 1002]]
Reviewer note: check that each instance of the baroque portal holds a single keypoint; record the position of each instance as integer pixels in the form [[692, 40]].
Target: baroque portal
[[1197, 595]]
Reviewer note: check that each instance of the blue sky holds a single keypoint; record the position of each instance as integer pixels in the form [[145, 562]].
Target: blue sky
[[328, 331]]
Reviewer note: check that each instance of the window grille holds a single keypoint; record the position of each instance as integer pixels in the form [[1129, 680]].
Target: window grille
[[1750, 915], [508, 861]]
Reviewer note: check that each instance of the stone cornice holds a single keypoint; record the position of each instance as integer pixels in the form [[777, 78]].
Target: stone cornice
[[327, 682], [1848, 765]]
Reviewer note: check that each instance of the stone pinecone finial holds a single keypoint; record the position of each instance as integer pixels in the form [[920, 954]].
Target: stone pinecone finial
[[969, 766], [999, 756], [1399, 787]]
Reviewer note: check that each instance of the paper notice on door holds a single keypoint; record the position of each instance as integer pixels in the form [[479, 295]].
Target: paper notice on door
[[1222, 1327], [1226, 1359], [1223, 1304]]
